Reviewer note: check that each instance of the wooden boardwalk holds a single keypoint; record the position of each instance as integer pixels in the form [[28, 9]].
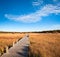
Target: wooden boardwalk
[[20, 49]]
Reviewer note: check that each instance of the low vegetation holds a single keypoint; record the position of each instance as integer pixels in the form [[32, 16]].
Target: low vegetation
[[7, 39], [44, 45]]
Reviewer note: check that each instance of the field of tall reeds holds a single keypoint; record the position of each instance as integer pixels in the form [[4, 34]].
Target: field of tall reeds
[[44, 45], [7, 39], [41, 44]]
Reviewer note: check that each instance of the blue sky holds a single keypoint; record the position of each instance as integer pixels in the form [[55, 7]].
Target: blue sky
[[29, 15]]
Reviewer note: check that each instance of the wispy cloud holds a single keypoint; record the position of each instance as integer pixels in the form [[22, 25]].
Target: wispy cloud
[[34, 17], [37, 2], [55, 27]]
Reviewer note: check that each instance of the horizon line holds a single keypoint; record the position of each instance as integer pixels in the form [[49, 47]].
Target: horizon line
[[30, 31]]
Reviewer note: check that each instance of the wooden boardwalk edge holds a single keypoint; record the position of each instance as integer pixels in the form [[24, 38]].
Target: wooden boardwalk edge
[[20, 49]]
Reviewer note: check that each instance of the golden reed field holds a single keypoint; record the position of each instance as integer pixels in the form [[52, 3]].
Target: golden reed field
[[7, 39], [44, 45], [41, 44]]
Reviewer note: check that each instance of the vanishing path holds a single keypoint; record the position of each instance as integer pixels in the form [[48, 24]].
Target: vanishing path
[[20, 49]]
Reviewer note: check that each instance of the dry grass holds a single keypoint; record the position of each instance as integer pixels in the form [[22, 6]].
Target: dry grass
[[44, 45], [6, 39], [41, 44]]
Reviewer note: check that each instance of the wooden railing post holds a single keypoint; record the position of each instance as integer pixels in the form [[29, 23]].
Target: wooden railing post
[[13, 44], [17, 41], [0, 54], [7, 49]]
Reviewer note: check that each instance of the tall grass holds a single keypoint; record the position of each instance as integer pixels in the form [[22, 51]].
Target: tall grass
[[44, 45], [7, 39]]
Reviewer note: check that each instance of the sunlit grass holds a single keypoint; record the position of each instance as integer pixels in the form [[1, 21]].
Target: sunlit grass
[[7, 39], [44, 45]]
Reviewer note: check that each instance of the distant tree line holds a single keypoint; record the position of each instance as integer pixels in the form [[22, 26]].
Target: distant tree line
[[49, 31]]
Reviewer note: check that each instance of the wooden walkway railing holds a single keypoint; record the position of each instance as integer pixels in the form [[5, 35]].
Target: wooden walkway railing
[[20, 49]]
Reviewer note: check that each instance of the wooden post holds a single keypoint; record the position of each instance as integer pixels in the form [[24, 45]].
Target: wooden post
[[7, 49], [0, 54], [17, 41], [13, 44]]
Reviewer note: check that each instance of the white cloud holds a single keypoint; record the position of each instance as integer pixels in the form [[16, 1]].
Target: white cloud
[[34, 17], [24, 18], [37, 2], [55, 27]]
